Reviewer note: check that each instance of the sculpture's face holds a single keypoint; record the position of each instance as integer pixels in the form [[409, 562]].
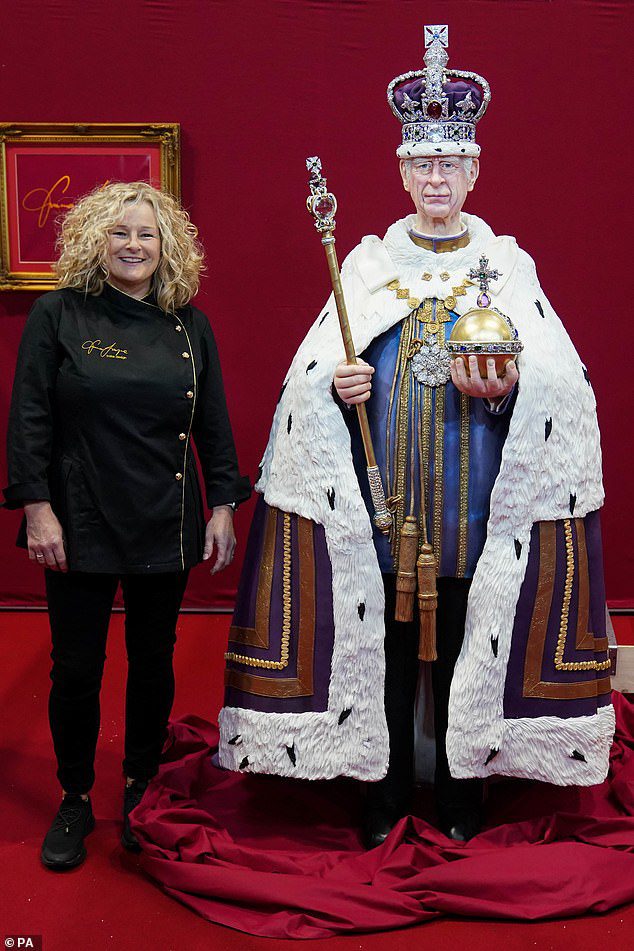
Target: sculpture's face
[[439, 185], [134, 249]]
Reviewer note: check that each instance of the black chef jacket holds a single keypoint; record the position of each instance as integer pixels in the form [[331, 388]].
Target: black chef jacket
[[108, 393]]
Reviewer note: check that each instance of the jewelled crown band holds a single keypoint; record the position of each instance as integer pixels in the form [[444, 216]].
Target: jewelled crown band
[[438, 107]]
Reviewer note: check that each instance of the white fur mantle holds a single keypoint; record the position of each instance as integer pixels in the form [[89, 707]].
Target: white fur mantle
[[535, 481]]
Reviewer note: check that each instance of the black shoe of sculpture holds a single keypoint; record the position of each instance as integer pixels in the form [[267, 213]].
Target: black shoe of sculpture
[[382, 809], [377, 824], [460, 824]]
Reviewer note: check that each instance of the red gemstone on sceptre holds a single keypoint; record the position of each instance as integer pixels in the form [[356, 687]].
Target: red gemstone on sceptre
[[434, 110]]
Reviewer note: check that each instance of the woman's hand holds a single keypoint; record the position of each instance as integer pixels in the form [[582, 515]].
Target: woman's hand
[[44, 536], [494, 388], [353, 382], [221, 534]]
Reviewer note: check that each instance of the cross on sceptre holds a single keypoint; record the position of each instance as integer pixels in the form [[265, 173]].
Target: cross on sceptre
[[483, 274]]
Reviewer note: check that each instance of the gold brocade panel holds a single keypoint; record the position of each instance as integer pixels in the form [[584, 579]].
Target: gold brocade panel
[[281, 635], [558, 637]]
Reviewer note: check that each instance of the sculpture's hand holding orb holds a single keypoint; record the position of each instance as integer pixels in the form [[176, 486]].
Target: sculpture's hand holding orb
[[467, 377], [487, 335]]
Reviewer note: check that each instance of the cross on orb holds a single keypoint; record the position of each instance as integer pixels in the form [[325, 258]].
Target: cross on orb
[[483, 274]]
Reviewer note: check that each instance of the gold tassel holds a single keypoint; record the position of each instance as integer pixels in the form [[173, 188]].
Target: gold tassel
[[406, 574], [427, 601]]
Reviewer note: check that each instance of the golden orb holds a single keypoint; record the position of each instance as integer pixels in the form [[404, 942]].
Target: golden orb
[[482, 326], [486, 334]]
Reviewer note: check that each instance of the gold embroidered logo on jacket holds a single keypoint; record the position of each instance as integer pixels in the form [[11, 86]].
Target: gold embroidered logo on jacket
[[111, 351]]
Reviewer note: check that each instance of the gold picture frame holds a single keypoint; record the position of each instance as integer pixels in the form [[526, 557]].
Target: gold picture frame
[[44, 167]]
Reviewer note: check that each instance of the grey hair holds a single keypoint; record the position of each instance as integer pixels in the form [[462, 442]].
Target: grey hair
[[466, 160]]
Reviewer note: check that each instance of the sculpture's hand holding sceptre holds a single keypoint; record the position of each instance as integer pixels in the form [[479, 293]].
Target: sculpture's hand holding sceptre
[[353, 382]]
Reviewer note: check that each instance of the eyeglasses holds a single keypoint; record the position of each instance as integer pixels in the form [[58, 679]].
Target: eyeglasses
[[446, 167]]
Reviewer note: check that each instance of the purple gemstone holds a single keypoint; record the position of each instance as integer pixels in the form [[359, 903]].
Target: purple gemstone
[[483, 300]]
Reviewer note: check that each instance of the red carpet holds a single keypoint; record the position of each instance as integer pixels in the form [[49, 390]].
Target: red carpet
[[111, 903]]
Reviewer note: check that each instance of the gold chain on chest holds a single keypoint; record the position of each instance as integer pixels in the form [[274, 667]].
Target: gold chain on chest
[[449, 302]]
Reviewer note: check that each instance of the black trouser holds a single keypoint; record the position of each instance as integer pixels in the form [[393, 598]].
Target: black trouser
[[79, 607], [401, 675]]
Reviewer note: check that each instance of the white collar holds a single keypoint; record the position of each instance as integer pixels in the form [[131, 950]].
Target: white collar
[[405, 254]]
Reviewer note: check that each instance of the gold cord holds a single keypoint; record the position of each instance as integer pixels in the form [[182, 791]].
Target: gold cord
[[565, 613], [282, 663]]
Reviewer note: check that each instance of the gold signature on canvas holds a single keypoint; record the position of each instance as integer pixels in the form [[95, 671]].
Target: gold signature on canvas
[[111, 351], [46, 201]]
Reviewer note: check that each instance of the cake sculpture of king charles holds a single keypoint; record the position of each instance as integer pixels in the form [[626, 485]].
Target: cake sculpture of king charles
[[484, 427]]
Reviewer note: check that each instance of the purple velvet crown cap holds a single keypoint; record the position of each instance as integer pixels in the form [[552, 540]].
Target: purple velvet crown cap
[[456, 91]]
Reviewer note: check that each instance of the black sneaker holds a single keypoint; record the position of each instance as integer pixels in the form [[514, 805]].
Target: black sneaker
[[132, 796], [63, 846]]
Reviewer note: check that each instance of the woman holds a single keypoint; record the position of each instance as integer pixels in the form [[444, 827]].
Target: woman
[[116, 374]]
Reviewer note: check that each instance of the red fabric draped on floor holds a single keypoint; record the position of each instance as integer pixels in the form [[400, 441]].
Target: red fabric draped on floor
[[282, 858]]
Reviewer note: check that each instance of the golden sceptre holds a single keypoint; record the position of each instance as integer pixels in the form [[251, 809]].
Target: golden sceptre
[[322, 205]]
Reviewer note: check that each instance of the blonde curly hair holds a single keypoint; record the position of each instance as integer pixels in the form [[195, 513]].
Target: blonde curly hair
[[84, 236]]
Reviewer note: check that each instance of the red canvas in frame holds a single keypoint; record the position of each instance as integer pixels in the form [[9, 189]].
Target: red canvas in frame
[[44, 181], [46, 167]]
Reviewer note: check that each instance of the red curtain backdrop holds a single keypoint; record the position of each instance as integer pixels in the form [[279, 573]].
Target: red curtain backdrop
[[258, 86]]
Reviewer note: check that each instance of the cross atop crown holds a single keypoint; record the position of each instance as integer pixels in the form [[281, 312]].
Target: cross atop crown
[[436, 58], [437, 34]]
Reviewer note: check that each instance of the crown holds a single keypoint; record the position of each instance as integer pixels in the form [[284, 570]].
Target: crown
[[438, 107]]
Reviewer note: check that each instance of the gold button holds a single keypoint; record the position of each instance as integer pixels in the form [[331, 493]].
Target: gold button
[[185, 355], [178, 476], [444, 276], [178, 327], [182, 436], [427, 276], [189, 394]]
